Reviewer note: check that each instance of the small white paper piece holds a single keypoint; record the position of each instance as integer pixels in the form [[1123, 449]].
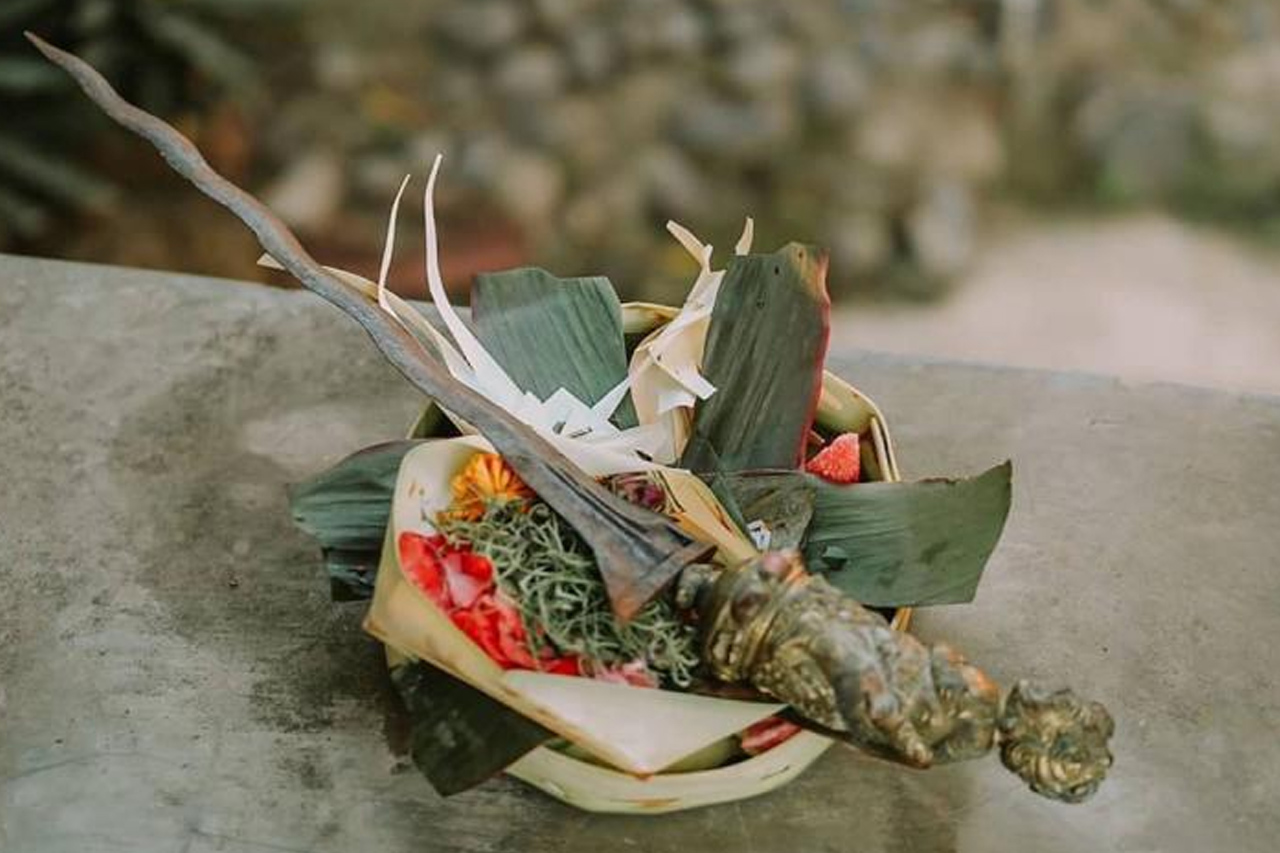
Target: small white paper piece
[[761, 535]]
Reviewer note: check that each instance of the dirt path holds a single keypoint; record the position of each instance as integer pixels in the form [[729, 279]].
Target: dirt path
[[1142, 296]]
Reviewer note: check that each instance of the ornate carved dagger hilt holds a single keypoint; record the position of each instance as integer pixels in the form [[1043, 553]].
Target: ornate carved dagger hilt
[[790, 634]]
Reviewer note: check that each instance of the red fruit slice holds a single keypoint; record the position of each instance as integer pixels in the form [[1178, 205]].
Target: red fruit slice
[[839, 461]]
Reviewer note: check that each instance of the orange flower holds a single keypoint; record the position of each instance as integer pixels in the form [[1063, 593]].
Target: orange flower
[[487, 478]]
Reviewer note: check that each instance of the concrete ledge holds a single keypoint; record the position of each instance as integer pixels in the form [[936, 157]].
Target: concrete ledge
[[174, 677]]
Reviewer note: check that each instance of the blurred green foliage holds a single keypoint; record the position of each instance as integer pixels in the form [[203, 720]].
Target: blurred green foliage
[[167, 55]]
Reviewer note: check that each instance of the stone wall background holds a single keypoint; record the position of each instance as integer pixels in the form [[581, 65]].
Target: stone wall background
[[884, 130]]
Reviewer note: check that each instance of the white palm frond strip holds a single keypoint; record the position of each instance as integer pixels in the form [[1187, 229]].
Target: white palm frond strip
[[388, 249], [581, 431], [665, 374]]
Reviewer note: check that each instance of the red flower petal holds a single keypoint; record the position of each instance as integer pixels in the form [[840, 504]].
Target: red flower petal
[[495, 626], [421, 562], [567, 665], [477, 566], [480, 625], [463, 589], [464, 585], [766, 734], [635, 673], [511, 636]]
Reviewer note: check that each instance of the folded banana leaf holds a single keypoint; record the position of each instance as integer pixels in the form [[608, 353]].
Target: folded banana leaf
[[549, 332], [346, 509], [460, 736], [890, 544], [764, 353]]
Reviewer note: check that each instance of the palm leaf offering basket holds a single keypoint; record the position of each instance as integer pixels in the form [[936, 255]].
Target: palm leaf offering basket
[[636, 732], [648, 558]]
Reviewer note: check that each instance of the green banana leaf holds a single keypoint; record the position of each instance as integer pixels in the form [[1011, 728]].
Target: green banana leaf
[[765, 348], [433, 423], [346, 509], [785, 509], [893, 544], [460, 736], [352, 572], [549, 332]]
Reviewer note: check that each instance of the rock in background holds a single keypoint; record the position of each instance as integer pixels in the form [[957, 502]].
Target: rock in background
[[574, 129], [870, 127], [1173, 102], [876, 128]]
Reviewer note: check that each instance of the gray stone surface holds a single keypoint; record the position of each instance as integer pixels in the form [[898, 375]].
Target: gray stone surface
[[174, 678]]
